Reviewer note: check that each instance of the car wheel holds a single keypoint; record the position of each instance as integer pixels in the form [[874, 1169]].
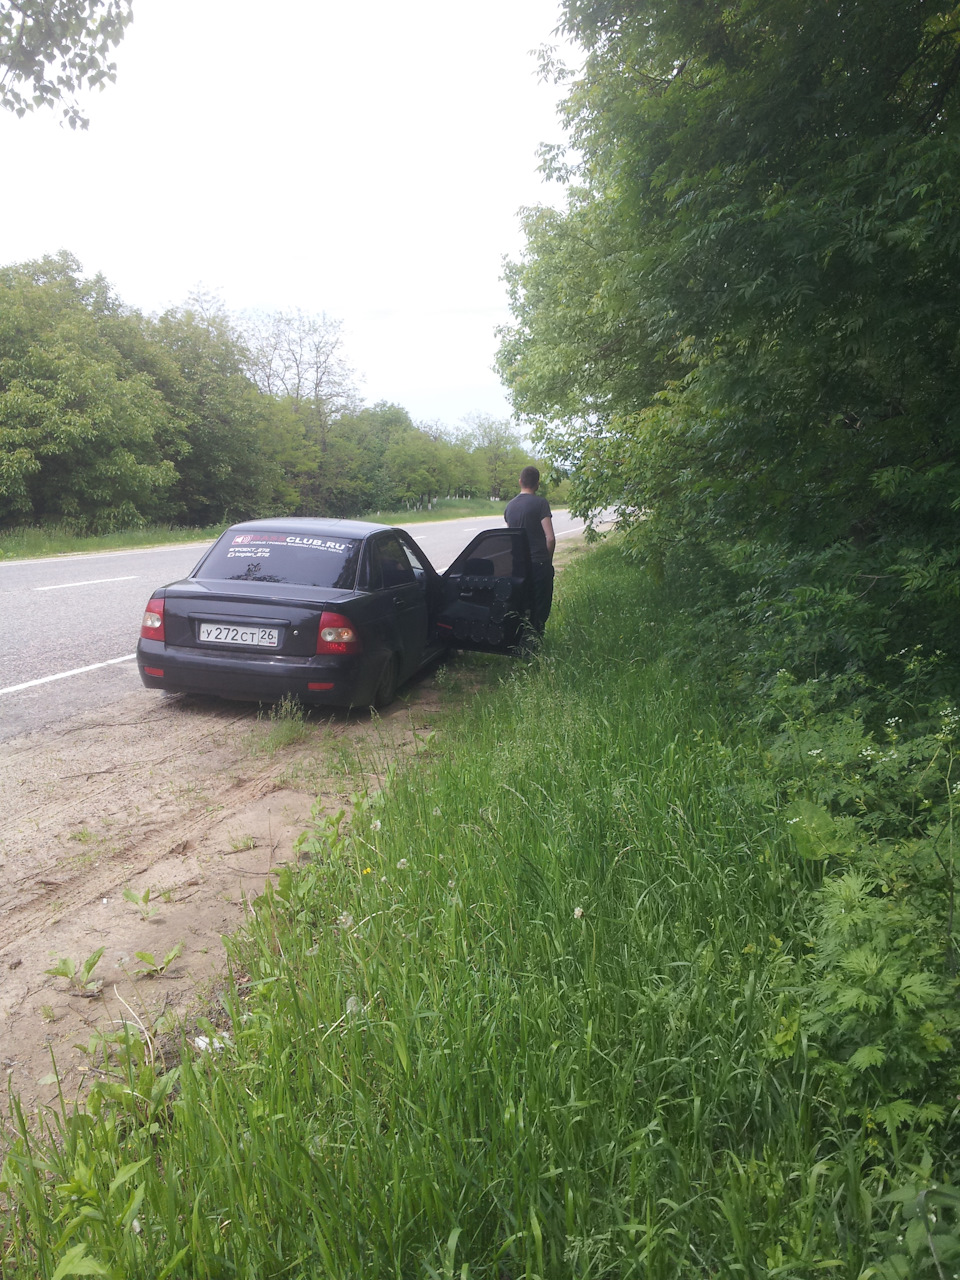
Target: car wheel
[[386, 689]]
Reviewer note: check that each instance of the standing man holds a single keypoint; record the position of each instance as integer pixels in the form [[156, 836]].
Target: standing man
[[530, 512]]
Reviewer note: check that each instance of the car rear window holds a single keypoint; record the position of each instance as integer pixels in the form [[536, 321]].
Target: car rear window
[[306, 560]]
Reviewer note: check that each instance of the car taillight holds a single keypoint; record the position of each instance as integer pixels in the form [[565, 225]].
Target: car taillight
[[152, 626], [337, 634]]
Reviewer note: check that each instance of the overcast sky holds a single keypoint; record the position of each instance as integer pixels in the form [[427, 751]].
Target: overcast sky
[[366, 161]]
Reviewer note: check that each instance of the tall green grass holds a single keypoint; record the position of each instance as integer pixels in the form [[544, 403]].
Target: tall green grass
[[28, 541], [534, 1015], [442, 509]]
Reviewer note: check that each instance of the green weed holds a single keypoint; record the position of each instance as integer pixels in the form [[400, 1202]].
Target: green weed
[[141, 901], [151, 967], [79, 974], [287, 726]]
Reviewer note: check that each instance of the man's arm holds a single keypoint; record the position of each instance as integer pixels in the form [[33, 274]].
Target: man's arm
[[551, 537]]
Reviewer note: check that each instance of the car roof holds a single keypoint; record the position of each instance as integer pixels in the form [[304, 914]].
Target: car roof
[[311, 525]]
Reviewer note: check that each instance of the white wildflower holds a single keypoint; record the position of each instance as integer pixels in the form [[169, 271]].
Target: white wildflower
[[353, 1007], [345, 920], [376, 824], [210, 1044], [578, 913], [436, 811], [402, 864]]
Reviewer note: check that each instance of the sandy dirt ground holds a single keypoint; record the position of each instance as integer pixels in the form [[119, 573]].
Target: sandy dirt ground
[[193, 799]]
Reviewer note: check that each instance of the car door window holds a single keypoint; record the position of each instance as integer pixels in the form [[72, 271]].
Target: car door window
[[371, 577], [395, 568], [494, 553], [415, 561]]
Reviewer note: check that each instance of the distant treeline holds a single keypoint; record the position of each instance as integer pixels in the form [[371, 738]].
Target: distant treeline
[[110, 418]]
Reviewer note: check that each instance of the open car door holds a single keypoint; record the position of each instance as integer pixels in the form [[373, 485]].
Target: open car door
[[487, 593]]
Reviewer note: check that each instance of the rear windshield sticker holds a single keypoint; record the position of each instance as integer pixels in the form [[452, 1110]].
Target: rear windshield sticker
[[258, 544]]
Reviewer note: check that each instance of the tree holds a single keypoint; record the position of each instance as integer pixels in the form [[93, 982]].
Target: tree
[[52, 49], [420, 468], [109, 418], [469, 473], [79, 428], [368, 434], [226, 472], [496, 444], [745, 324], [300, 357]]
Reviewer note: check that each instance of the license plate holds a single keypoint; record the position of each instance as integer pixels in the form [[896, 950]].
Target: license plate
[[226, 633]]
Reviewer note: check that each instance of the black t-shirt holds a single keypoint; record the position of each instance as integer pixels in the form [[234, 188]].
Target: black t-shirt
[[526, 511]]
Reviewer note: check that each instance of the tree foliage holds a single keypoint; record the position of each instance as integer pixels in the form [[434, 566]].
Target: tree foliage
[[52, 49], [299, 357], [498, 450], [744, 323], [78, 425], [109, 418]]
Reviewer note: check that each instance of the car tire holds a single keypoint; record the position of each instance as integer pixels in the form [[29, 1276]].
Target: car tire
[[386, 690]]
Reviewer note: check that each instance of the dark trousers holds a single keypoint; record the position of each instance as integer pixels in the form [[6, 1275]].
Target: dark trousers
[[542, 582]]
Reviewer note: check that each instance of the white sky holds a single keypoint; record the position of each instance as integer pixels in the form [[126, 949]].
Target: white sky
[[364, 160]]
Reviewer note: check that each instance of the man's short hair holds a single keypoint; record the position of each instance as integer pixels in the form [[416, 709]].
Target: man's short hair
[[529, 478]]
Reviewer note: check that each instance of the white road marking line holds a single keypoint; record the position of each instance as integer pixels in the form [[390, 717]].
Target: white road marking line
[[62, 675], [567, 532], [88, 582]]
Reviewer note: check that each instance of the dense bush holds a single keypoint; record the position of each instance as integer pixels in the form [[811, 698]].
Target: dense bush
[[742, 332]]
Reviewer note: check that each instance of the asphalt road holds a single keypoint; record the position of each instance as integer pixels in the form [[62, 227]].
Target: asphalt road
[[69, 624]]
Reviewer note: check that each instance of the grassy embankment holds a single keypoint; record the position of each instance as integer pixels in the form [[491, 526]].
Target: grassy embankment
[[534, 1015], [27, 542]]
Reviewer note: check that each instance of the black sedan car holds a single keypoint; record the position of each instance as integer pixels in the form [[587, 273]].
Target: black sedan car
[[336, 612]]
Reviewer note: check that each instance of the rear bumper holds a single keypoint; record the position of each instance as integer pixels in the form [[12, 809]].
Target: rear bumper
[[350, 680]]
